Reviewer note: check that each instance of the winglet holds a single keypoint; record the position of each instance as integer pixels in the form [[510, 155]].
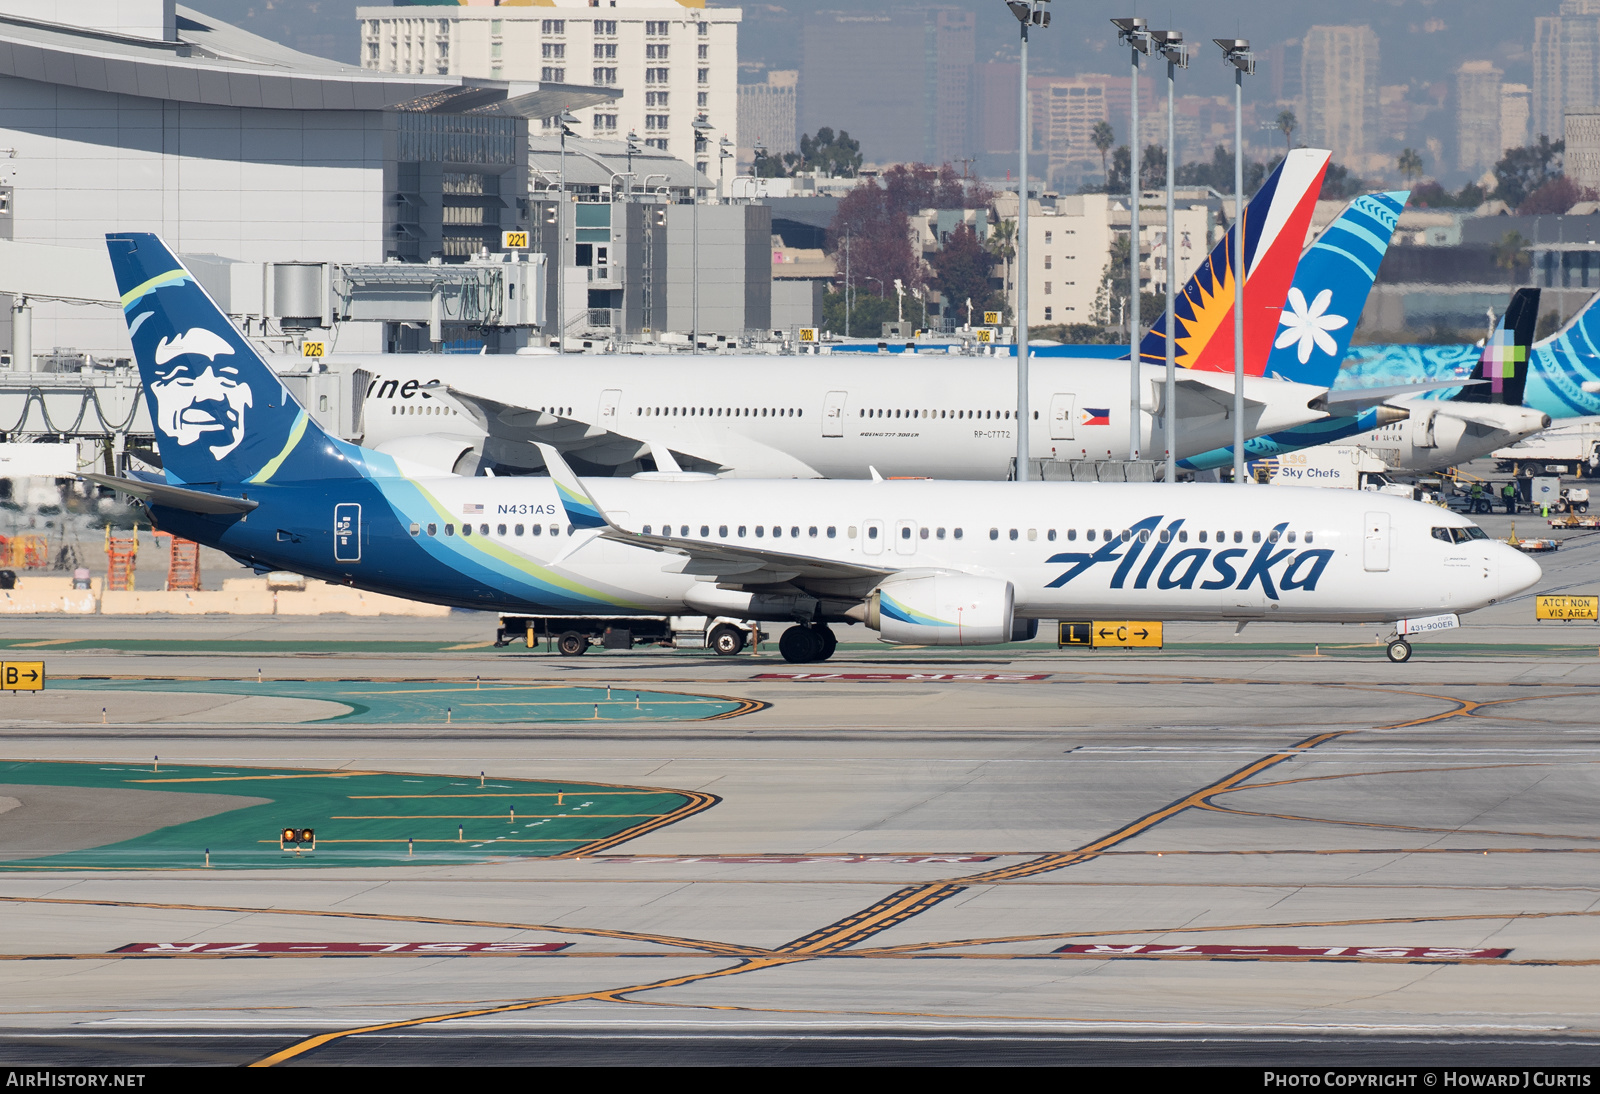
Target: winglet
[[582, 512]]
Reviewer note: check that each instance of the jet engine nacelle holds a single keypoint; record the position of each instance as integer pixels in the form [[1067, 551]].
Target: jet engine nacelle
[[440, 451], [942, 609]]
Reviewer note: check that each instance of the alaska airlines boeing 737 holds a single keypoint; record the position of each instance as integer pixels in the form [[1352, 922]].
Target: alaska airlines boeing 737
[[941, 563]]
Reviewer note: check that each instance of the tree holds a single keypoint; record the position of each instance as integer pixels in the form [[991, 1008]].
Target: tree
[[1511, 253], [831, 153], [1556, 196], [1002, 244], [961, 273], [1339, 184], [1287, 124], [1152, 169], [1102, 138], [1523, 170], [1410, 164]]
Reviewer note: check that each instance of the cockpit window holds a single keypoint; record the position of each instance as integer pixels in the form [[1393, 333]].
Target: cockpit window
[[1460, 535], [1442, 534], [1474, 532]]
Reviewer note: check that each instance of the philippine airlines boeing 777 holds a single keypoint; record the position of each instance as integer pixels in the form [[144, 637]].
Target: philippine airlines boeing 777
[[939, 563], [948, 417]]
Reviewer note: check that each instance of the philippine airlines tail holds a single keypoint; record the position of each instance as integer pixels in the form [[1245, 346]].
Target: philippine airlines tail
[[220, 414], [1275, 225]]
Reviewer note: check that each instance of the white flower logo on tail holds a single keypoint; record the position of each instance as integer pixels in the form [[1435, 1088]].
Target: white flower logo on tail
[[1308, 325]]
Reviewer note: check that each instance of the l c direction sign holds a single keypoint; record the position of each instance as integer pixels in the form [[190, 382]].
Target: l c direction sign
[[1111, 634], [21, 675]]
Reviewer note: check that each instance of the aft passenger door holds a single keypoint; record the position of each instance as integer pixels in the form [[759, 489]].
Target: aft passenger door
[[833, 413], [1375, 545], [1061, 416], [610, 400]]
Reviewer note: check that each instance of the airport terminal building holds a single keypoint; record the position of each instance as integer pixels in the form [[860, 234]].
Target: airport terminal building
[[145, 115]]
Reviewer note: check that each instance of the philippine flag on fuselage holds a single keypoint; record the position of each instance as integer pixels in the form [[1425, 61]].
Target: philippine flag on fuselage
[[1093, 416]]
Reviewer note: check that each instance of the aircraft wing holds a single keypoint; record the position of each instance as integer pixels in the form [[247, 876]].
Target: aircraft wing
[[1350, 400], [713, 454], [726, 563]]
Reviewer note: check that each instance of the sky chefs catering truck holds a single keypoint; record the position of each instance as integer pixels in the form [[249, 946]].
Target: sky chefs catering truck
[[1334, 467]]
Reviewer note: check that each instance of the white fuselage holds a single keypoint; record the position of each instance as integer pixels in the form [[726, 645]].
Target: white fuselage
[[1443, 433], [1140, 551], [810, 416]]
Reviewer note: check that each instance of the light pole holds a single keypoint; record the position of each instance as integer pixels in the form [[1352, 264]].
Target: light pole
[[1236, 52], [1133, 31], [724, 154], [1177, 56], [1030, 13], [564, 120], [701, 128], [634, 148]]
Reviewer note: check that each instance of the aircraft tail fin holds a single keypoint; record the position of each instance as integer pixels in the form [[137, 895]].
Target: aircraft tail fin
[[582, 512], [1330, 289], [1504, 362], [221, 415], [1275, 225]]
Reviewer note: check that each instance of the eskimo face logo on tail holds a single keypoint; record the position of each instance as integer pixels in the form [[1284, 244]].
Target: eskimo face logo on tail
[[1276, 565], [196, 398]]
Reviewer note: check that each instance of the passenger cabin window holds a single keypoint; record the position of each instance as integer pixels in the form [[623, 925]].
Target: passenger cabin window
[[833, 531], [872, 533], [433, 529], [416, 529], [957, 533], [518, 529]]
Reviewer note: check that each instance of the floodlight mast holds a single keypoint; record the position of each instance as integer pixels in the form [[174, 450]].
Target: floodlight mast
[[1029, 13], [1236, 52], [1176, 54], [1134, 31]]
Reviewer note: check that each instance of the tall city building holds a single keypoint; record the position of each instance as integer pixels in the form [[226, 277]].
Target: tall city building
[[1566, 65], [673, 60], [1478, 141], [1339, 80], [1516, 107], [767, 115], [998, 124], [901, 81], [1064, 111]]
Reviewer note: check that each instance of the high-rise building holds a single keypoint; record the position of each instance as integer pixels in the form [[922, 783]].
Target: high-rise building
[[1339, 79], [998, 124], [1064, 112], [1582, 159], [900, 81], [672, 60], [1516, 104], [1478, 141], [1566, 65], [767, 115]]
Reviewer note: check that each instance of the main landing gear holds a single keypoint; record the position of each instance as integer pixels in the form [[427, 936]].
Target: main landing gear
[[802, 644], [1399, 650]]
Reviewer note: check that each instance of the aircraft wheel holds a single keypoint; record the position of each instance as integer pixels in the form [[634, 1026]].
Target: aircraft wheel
[[1399, 651], [727, 641], [573, 644], [800, 645], [830, 641]]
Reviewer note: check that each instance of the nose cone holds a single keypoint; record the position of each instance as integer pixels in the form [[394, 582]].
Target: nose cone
[[1513, 571]]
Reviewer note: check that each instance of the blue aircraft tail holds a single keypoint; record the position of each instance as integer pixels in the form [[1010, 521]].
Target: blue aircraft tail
[[220, 414], [1330, 290]]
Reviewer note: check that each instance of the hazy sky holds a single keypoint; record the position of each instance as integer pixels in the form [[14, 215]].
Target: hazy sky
[[1422, 40]]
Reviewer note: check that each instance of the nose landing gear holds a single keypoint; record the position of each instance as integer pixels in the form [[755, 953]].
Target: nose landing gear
[[1399, 651], [803, 644]]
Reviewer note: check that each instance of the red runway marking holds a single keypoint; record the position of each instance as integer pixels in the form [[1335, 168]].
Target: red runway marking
[[1402, 952]]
